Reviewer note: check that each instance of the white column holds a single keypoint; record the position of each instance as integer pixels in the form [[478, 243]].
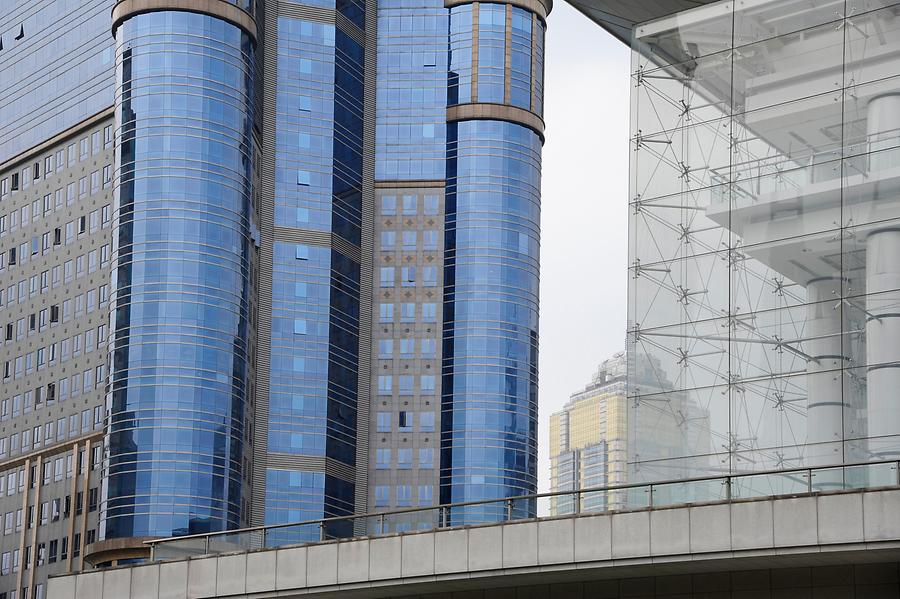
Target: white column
[[883, 340], [882, 130], [882, 297], [825, 389]]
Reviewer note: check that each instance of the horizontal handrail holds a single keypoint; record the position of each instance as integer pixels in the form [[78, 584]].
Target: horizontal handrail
[[728, 480]]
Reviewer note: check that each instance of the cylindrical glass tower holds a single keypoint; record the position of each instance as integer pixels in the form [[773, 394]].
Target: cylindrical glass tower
[[492, 240], [181, 274]]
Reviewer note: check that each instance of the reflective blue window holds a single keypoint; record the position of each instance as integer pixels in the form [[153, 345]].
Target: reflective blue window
[[459, 84], [538, 105], [490, 332], [313, 369], [296, 496], [318, 165], [181, 276], [491, 52], [411, 90], [520, 59]]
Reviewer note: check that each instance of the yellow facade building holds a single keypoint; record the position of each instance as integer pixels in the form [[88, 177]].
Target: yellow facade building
[[594, 443]]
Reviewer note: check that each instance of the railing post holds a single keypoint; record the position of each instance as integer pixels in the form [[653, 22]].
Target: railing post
[[650, 500], [381, 524], [809, 485], [578, 502], [509, 510], [321, 531], [898, 473], [265, 533], [152, 552], [728, 488], [206, 549], [442, 518]]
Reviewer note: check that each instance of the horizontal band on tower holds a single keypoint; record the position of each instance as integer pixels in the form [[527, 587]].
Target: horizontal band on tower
[[220, 9], [541, 8], [496, 112]]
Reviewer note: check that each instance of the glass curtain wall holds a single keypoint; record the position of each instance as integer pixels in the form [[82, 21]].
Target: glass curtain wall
[[491, 278], [489, 388], [315, 290], [181, 276], [764, 277]]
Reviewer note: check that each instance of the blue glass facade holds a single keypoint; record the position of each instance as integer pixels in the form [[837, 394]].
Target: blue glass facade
[[490, 355], [314, 344], [411, 104], [462, 41], [54, 74], [431, 59], [182, 261], [491, 52], [319, 103]]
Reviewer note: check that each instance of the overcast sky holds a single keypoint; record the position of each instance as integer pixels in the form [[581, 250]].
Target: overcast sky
[[584, 215]]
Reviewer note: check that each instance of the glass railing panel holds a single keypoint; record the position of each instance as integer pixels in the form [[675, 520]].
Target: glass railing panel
[[680, 493], [877, 474], [237, 541], [179, 549], [752, 486]]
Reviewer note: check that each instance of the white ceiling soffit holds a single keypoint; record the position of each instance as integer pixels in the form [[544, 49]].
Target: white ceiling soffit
[[620, 16]]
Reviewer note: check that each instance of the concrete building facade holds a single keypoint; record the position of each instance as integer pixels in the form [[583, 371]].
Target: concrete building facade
[[55, 262]]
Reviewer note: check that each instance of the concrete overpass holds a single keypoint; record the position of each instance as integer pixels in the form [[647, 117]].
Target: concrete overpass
[[836, 544]]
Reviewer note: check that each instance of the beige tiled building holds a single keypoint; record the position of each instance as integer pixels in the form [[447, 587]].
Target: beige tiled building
[[593, 438]]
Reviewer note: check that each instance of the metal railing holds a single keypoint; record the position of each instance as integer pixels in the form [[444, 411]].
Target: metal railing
[[595, 500]]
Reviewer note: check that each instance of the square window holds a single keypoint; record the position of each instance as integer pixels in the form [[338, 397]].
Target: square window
[[382, 458], [387, 276], [409, 276], [407, 312], [405, 421], [386, 312], [426, 422], [426, 457], [388, 205], [384, 422], [409, 205], [429, 312], [404, 495], [429, 276], [426, 495]]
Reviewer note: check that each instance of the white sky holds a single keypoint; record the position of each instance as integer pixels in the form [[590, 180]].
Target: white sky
[[583, 209]]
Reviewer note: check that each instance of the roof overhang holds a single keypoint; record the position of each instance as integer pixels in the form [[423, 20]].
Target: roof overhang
[[620, 16]]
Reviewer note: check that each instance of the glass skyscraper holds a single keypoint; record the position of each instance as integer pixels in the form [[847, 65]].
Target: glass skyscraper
[[262, 262]]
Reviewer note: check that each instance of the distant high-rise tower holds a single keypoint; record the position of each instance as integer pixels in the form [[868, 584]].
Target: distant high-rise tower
[[596, 439]]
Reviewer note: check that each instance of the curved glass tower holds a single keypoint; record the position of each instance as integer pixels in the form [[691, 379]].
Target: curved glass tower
[[182, 257], [492, 240]]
